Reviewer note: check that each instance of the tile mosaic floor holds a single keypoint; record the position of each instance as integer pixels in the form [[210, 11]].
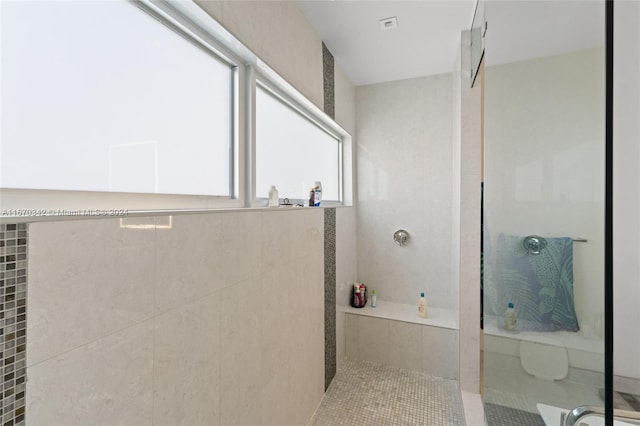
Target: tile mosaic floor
[[364, 393], [498, 415]]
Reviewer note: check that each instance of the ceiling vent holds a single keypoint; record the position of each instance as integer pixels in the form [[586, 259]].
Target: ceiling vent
[[389, 23]]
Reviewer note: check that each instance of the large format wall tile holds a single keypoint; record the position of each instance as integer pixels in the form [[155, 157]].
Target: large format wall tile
[[106, 382], [240, 251], [276, 404], [440, 352], [277, 345], [405, 181], [88, 278], [241, 354], [224, 325], [187, 358], [351, 331], [306, 383], [373, 339], [416, 347], [405, 345], [188, 260], [277, 247]]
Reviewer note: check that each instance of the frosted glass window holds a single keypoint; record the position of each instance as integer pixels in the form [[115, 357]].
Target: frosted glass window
[[100, 96], [292, 152]]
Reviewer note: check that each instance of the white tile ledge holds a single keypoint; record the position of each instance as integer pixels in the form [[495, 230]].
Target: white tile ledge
[[568, 339], [436, 317]]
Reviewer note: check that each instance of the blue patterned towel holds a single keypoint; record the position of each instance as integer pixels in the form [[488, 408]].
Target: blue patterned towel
[[539, 285]]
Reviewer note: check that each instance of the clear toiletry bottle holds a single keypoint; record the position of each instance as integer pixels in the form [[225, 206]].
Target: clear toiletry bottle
[[422, 306], [510, 318], [373, 298], [273, 197], [317, 196]]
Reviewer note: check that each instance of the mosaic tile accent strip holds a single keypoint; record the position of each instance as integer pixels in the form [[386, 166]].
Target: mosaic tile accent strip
[[13, 323], [329, 296], [328, 78], [363, 393]]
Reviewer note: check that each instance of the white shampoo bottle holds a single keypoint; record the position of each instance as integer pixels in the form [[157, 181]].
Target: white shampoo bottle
[[422, 306]]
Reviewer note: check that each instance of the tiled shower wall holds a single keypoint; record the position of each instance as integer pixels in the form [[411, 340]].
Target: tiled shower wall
[[192, 319], [13, 311]]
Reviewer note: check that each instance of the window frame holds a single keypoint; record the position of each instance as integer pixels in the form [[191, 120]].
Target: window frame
[[289, 102], [190, 21]]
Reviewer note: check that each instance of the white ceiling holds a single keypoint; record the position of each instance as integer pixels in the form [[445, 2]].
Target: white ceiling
[[426, 40], [521, 30], [424, 43]]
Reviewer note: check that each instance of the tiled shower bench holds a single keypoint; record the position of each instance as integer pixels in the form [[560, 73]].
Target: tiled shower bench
[[393, 334]]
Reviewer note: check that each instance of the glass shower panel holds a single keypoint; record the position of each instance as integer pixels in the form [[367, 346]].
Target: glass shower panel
[[543, 255], [478, 29]]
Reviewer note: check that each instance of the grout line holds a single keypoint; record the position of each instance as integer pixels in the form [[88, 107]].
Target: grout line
[[153, 327]]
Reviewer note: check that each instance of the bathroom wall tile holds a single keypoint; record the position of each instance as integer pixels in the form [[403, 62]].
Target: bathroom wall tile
[[473, 408], [469, 349], [279, 33], [80, 272], [470, 197], [106, 382], [277, 328], [405, 182], [405, 345], [440, 352], [187, 364], [302, 42], [299, 285], [341, 350], [345, 273], [236, 14], [226, 348], [275, 403], [307, 386], [187, 260], [315, 302], [345, 100], [307, 232], [241, 353], [276, 239], [351, 336], [240, 253], [373, 340]]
